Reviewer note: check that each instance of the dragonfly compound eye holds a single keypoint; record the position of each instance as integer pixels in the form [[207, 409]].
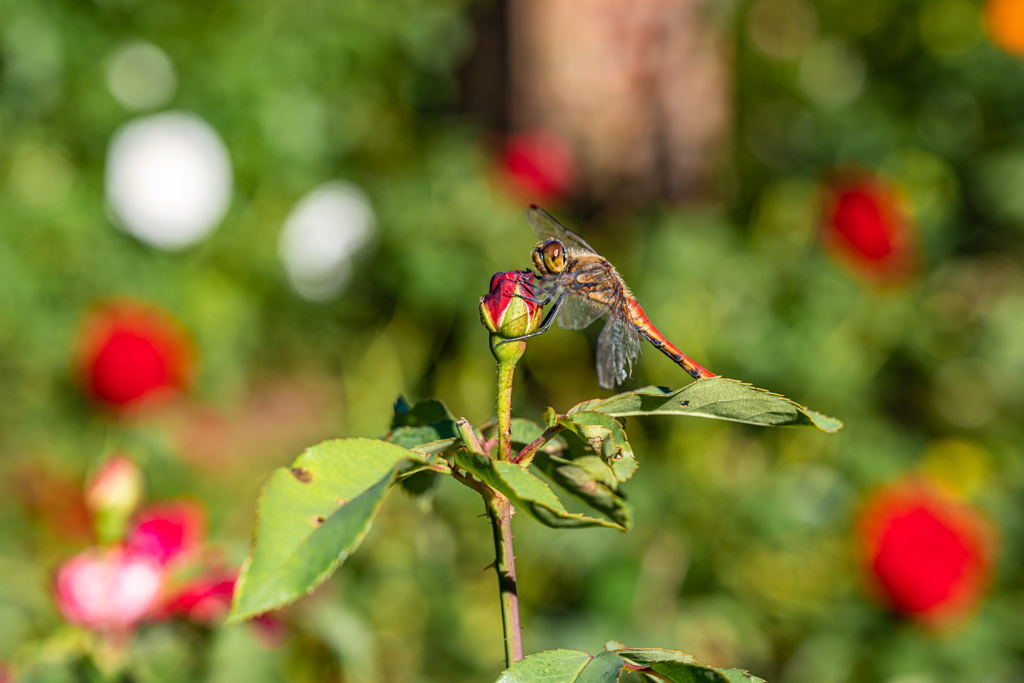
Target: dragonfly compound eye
[[554, 256]]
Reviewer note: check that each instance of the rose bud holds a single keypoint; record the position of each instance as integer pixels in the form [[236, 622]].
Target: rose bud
[[108, 589], [538, 165], [510, 310], [927, 556], [867, 227], [204, 600], [112, 494], [169, 532], [131, 354]]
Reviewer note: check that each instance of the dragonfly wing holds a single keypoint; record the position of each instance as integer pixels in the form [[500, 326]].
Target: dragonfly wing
[[617, 348], [577, 313], [547, 228]]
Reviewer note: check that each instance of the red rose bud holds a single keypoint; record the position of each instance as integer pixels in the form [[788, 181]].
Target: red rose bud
[[132, 354], [504, 311], [539, 165], [867, 227], [205, 600], [108, 589], [929, 556], [168, 533], [112, 494]]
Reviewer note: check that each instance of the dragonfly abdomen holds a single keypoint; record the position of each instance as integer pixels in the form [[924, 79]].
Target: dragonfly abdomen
[[658, 341]]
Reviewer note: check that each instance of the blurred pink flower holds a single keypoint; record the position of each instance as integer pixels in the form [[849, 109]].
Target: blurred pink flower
[[168, 532], [539, 164], [205, 600], [108, 589]]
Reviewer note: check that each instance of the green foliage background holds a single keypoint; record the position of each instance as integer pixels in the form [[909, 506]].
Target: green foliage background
[[741, 552]]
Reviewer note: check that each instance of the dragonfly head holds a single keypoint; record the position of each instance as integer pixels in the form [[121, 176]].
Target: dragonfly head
[[549, 257]]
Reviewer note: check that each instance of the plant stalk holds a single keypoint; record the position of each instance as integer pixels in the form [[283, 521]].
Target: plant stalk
[[499, 509], [525, 456], [506, 370]]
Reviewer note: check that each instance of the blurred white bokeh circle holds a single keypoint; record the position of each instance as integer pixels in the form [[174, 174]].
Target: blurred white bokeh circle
[[321, 234], [141, 76], [168, 179]]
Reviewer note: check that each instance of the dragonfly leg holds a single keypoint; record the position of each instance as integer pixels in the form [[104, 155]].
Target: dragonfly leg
[[542, 302], [545, 324]]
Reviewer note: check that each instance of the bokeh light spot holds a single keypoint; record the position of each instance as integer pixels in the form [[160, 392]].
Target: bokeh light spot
[[950, 121], [949, 28], [782, 29], [320, 236], [831, 73], [965, 392], [168, 179], [41, 177], [141, 76]]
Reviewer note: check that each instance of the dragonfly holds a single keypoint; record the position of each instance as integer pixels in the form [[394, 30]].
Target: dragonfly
[[583, 286]]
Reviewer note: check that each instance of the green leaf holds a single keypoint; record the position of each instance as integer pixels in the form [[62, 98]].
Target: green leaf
[[430, 439], [525, 432], [739, 676], [645, 656], [427, 427], [677, 667], [590, 480], [554, 666], [606, 436], [721, 398], [573, 666], [421, 485], [526, 491], [422, 413], [603, 668], [311, 516]]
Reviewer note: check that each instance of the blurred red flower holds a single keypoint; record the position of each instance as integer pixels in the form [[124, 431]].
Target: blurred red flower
[[866, 225], [108, 589], [168, 532], [929, 556], [131, 353], [204, 600], [539, 165]]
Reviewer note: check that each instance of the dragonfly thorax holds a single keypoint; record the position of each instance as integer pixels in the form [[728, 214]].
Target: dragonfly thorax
[[549, 257]]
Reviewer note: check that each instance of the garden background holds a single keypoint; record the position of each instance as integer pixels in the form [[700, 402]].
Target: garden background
[[230, 230]]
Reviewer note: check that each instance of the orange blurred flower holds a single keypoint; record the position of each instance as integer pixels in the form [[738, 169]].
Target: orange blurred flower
[[1004, 20], [928, 556]]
